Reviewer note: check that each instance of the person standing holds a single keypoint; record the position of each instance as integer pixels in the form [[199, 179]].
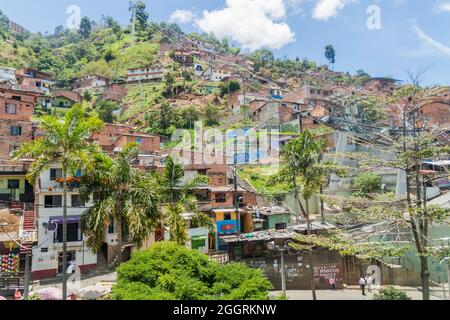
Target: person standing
[[332, 282], [369, 281], [362, 284]]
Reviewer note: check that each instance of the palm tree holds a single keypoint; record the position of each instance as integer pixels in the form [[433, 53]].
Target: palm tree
[[178, 194], [67, 143], [127, 196], [306, 174]]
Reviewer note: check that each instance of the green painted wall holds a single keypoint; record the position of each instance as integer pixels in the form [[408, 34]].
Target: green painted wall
[[272, 220]]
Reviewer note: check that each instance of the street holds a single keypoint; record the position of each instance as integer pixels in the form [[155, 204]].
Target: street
[[354, 294]]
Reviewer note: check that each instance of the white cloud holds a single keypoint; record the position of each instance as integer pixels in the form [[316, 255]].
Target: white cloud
[[252, 23], [181, 16], [427, 41], [444, 7], [326, 9]]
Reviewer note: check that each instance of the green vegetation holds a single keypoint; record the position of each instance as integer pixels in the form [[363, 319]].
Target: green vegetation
[[391, 294], [168, 271], [258, 177], [128, 198], [105, 110], [367, 183]]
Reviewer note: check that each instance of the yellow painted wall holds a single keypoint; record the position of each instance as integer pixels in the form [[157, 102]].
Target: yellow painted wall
[[220, 215], [4, 182]]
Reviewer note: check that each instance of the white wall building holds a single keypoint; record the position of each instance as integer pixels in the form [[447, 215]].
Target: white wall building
[[150, 73], [47, 254], [8, 75]]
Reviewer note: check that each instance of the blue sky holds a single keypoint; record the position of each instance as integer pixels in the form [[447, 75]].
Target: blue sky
[[413, 34]]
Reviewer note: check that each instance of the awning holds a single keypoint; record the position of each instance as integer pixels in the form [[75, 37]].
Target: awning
[[60, 220]]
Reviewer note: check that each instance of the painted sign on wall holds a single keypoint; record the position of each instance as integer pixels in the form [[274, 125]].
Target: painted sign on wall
[[327, 271]]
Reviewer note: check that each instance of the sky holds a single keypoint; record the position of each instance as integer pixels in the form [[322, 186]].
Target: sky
[[381, 37]]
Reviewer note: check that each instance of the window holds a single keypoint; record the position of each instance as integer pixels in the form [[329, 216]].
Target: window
[[280, 226], [73, 233], [17, 98], [16, 131], [111, 227], [221, 197], [53, 202], [55, 174], [227, 216], [13, 184], [77, 201], [10, 109]]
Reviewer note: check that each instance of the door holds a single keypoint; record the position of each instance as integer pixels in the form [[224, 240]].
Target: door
[[71, 255]]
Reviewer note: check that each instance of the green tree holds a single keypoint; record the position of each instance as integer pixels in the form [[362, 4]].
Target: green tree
[[169, 271], [85, 27], [189, 116], [141, 15], [176, 223], [177, 193], [230, 87], [330, 54], [407, 152], [105, 110], [66, 143], [305, 174], [211, 115], [128, 197]]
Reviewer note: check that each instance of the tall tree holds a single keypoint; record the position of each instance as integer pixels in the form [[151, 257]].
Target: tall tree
[[66, 143], [140, 14], [127, 197], [304, 172], [330, 54], [177, 192], [85, 27], [415, 143]]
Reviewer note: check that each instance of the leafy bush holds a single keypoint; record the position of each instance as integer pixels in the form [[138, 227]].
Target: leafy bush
[[391, 293], [168, 271], [367, 183]]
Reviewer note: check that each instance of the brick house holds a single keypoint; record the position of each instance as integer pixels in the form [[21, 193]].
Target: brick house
[[183, 57], [16, 127], [114, 137], [94, 82], [438, 112], [381, 85], [274, 111], [34, 80], [16, 112], [114, 93]]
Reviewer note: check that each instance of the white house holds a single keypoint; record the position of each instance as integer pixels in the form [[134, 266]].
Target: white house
[[47, 261], [8, 75], [217, 74], [150, 73]]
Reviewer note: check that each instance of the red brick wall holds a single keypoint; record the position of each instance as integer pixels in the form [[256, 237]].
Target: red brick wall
[[6, 140]]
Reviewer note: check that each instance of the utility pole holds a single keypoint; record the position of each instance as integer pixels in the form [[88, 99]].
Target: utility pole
[[133, 27], [235, 197]]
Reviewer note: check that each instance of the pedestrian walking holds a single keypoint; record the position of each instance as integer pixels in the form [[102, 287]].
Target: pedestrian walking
[[332, 282], [72, 268], [362, 284], [369, 282]]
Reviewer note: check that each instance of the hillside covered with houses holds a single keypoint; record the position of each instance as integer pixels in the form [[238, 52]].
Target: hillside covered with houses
[[147, 80]]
